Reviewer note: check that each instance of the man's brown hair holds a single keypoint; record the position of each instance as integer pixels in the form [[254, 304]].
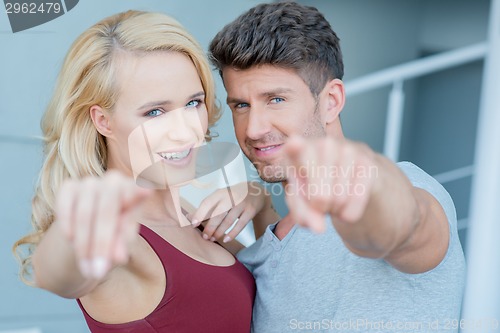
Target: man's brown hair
[[283, 34]]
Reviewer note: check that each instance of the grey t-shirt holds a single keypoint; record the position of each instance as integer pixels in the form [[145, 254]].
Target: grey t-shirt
[[313, 283]]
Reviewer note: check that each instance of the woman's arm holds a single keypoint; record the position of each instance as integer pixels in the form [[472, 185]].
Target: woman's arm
[[57, 269], [91, 235]]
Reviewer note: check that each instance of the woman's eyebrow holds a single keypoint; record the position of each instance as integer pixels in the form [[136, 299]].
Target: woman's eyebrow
[[168, 102]]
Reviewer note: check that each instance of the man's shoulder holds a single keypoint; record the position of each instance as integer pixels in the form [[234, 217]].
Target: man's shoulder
[[454, 258], [419, 178], [252, 254]]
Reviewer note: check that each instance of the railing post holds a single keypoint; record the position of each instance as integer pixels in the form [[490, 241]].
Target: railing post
[[482, 295], [394, 121]]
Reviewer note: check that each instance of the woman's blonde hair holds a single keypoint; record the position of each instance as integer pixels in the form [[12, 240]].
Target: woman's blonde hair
[[73, 147]]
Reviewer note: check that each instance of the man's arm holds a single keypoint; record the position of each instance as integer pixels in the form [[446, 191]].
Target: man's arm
[[268, 215], [374, 207], [403, 224]]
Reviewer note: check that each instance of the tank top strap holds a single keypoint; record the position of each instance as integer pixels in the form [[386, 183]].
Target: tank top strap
[[165, 251]]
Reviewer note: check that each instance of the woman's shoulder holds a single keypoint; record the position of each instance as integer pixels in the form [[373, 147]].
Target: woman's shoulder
[[129, 292]]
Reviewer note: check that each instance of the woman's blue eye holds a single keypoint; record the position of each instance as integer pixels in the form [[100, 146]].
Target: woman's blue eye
[[194, 103], [154, 113], [276, 100]]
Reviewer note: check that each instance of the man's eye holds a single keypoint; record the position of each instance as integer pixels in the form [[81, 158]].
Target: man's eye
[[154, 113], [277, 100], [241, 105]]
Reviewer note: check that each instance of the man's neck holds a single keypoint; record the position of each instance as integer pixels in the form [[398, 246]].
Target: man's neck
[[283, 227]]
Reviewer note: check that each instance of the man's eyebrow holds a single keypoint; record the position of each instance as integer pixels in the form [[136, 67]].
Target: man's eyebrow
[[232, 100], [278, 91], [149, 105], [270, 93]]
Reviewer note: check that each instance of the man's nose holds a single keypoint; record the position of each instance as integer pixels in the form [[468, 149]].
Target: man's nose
[[258, 123]]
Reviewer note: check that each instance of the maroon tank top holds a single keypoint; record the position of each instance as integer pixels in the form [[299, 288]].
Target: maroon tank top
[[198, 297]]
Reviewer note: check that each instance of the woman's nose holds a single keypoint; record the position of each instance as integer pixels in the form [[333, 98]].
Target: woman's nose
[[180, 125]]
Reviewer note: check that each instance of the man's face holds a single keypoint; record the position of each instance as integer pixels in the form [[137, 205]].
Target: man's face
[[269, 104]]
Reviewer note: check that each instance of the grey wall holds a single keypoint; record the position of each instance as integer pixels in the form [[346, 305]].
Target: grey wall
[[441, 123], [447, 24]]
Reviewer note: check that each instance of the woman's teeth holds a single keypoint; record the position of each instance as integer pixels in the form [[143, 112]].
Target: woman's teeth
[[175, 155]]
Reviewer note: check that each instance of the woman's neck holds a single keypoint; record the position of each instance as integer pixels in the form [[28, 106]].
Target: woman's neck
[[164, 207]]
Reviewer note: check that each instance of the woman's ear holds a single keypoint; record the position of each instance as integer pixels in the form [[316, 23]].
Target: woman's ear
[[336, 100], [100, 118]]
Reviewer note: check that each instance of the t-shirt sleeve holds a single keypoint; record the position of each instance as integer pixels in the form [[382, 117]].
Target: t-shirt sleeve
[[421, 179]]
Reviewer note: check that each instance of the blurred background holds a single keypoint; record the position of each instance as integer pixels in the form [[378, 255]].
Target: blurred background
[[420, 61]]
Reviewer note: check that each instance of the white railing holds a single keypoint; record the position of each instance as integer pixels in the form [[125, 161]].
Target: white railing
[[482, 295], [417, 68], [398, 74], [31, 140], [449, 176]]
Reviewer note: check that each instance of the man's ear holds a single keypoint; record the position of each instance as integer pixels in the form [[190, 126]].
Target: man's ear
[[335, 95], [100, 118]]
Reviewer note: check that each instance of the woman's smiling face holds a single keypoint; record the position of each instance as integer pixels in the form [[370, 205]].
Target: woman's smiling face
[[159, 117]]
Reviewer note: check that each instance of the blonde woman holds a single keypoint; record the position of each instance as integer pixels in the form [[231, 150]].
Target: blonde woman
[[135, 86]]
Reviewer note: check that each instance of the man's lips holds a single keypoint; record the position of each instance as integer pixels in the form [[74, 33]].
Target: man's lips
[[266, 151]]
